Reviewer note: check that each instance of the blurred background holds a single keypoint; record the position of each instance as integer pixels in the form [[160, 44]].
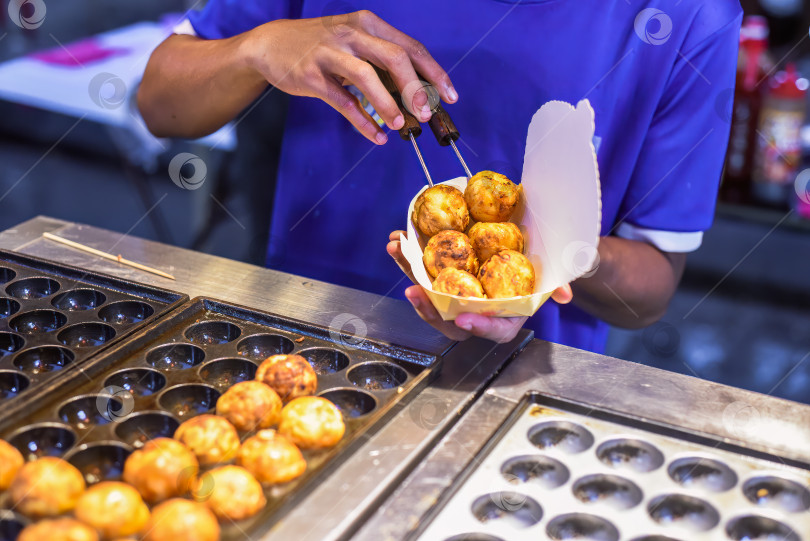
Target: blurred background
[[72, 146]]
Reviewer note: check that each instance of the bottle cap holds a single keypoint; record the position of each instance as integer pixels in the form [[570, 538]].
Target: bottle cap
[[754, 28]]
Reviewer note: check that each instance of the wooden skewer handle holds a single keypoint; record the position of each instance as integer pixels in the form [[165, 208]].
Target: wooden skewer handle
[[105, 255]]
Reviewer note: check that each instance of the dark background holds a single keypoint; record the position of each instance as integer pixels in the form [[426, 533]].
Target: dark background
[[740, 316]]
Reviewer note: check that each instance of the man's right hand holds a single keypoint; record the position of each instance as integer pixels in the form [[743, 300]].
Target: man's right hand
[[193, 86], [317, 57]]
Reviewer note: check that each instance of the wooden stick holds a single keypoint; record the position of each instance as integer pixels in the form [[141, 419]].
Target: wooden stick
[[105, 255]]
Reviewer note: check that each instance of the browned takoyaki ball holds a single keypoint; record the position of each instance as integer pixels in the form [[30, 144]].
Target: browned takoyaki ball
[[58, 529], [250, 405], [507, 274], [212, 439], [113, 508], [163, 468], [290, 376], [271, 458], [491, 197], [10, 462], [458, 282], [231, 492], [489, 238], [440, 208], [46, 488], [181, 520], [449, 249], [312, 422]]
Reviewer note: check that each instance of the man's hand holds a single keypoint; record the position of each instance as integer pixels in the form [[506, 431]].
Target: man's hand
[[316, 57], [192, 87], [497, 329]]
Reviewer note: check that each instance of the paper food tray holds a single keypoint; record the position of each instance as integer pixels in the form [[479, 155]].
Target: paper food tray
[[559, 213]]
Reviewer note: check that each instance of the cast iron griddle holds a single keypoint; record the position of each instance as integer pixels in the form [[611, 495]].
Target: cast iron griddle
[[176, 369], [53, 317]]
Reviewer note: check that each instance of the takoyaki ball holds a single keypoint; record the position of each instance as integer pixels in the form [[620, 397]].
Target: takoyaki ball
[[58, 529], [163, 468], [10, 462], [250, 405], [312, 422], [46, 488], [449, 249], [491, 197], [490, 238], [212, 439], [231, 492], [290, 376], [182, 520], [440, 208], [507, 274], [113, 508], [458, 282], [271, 458]]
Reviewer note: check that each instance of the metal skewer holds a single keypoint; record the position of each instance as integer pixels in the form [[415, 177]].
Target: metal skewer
[[464, 165], [421, 159]]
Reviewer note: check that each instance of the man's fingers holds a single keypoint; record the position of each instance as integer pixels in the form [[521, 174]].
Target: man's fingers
[[395, 60], [421, 303], [499, 330], [418, 54], [394, 235], [347, 105], [362, 75], [563, 295], [395, 250]]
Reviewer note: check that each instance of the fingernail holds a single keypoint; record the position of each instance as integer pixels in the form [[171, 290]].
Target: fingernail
[[398, 122], [451, 93], [382, 138], [467, 326]]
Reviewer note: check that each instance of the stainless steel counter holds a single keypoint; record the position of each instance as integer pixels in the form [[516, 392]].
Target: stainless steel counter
[[422, 449]]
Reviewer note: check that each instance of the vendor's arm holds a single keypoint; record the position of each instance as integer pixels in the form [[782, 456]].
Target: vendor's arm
[[193, 86], [632, 285]]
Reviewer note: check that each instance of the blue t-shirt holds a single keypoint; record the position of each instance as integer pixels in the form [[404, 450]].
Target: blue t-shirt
[[658, 74]]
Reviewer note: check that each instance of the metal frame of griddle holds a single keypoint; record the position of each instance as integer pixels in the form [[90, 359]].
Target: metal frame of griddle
[[567, 378]]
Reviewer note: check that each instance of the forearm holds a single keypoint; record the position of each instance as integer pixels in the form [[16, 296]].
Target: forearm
[[192, 87], [632, 285]]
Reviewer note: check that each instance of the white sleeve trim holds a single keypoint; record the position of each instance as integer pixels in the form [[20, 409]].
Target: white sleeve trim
[[184, 28], [666, 241]]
